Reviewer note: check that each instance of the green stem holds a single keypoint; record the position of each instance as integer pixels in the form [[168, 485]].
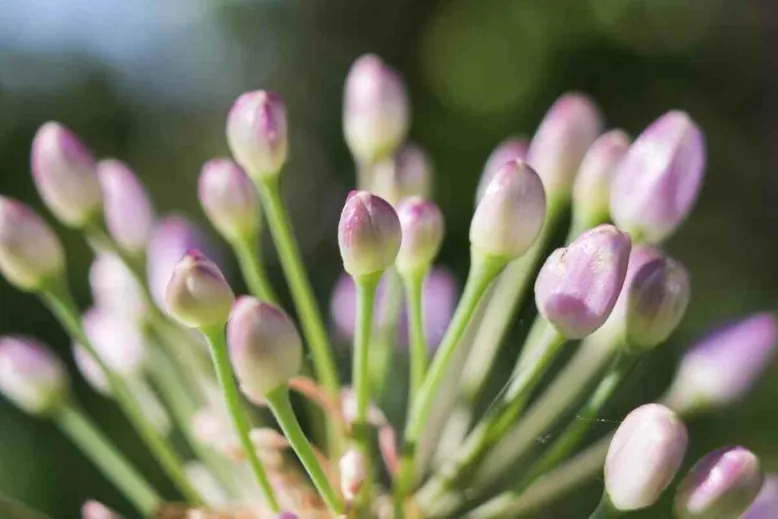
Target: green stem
[[253, 270], [88, 437], [414, 285], [279, 403], [366, 290], [221, 362], [605, 510], [12, 508], [384, 339]]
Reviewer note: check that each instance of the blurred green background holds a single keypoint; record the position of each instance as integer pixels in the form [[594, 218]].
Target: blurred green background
[[150, 82]]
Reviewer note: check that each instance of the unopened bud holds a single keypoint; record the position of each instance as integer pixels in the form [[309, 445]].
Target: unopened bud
[[31, 376], [766, 502], [115, 289], [369, 234], [422, 227], [96, 510], [118, 341], [408, 173], [129, 214], [352, 474], [256, 133], [509, 150], [198, 295], [230, 200]]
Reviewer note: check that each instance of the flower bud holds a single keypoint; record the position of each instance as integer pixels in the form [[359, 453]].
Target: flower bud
[[64, 173], [118, 341], [31, 376], [723, 366], [408, 173], [657, 182], [578, 285], [568, 129], [720, 486], [198, 295], [256, 134], [287, 515], [352, 474], [510, 215], [115, 289], [369, 234], [766, 502], [376, 112], [91, 371], [230, 200], [644, 456], [96, 510], [30, 252], [129, 214], [264, 345], [509, 150], [422, 228]]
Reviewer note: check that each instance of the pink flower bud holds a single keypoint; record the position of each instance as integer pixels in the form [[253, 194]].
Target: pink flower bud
[[409, 173], [115, 289], [369, 234], [118, 341], [352, 474], [766, 502], [230, 200], [96, 510], [422, 235], [592, 186], [31, 376], [509, 150], [198, 295], [129, 214]]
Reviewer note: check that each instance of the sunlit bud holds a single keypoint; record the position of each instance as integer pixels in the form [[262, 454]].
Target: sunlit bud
[[64, 173], [722, 485], [376, 112], [129, 214], [657, 182], [766, 502], [256, 133], [578, 285], [644, 456], [198, 295], [721, 368], [118, 341], [369, 234], [352, 473], [509, 150], [408, 173], [31, 376], [592, 186], [510, 214], [115, 289], [568, 129], [96, 510], [230, 200], [30, 252], [422, 227], [265, 347]]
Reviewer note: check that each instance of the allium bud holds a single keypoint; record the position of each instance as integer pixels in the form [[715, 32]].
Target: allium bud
[[658, 180], [31, 376], [509, 150], [198, 295], [723, 366], [91, 371], [578, 285], [422, 235], [644, 456], [369, 234], [510, 215], [118, 341], [30, 252], [265, 347], [229, 199], [287, 515], [64, 173], [722, 485], [256, 133], [115, 289], [129, 214], [766, 502], [568, 129], [408, 173], [376, 112], [96, 510], [592, 186], [352, 474]]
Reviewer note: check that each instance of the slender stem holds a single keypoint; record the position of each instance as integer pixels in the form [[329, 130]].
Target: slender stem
[[605, 510], [12, 508], [384, 338], [253, 270], [221, 362], [366, 290], [414, 285], [75, 424], [281, 407]]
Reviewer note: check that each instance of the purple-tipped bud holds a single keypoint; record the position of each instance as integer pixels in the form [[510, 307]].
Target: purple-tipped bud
[[568, 129], [287, 515], [723, 366], [230, 200], [64, 173], [766, 502], [578, 285], [118, 341], [30, 252], [31, 376], [256, 133], [376, 112], [592, 186], [722, 485], [409, 173], [644, 456], [510, 215], [96, 510], [265, 347], [422, 235], [353, 472], [115, 289], [658, 180], [509, 150], [129, 214], [369, 234], [198, 295]]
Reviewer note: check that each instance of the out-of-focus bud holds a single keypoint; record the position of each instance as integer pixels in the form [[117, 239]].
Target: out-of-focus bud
[[408, 173], [31, 376], [265, 347], [256, 134], [592, 186], [352, 474], [97, 510], [422, 227], [568, 129], [30, 252], [658, 180], [376, 112], [198, 295], [644, 456], [723, 366], [510, 215], [230, 200], [509, 150], [64, 173], [129, 214], [369, 234], [766, 502], [578, 285], [722, 485], [287, 515], [118, 341], [91, 370], [115, 289]]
